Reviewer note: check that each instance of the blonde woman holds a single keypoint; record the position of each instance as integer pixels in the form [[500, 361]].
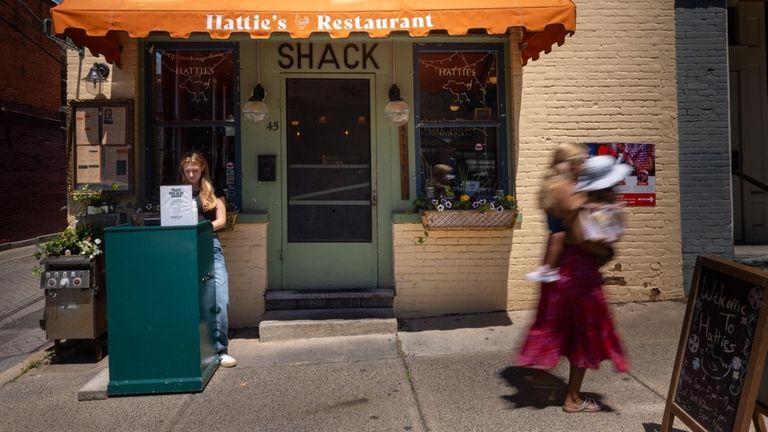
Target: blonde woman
[[557, 199], [194, 171]]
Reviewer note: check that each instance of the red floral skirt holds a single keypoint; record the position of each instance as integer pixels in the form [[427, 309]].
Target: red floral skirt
[[573, 319]]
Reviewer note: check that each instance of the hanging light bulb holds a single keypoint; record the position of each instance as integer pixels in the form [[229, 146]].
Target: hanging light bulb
[[396, 110], [255, 110]]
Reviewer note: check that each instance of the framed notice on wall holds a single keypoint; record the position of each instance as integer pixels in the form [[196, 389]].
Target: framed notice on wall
[[101, 147]]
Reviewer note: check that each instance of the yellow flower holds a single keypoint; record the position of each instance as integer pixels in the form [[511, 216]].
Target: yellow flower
[[464, 198], [510, 198]]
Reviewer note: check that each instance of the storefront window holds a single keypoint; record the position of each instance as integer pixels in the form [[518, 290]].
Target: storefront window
[[460, 119], [192, 105]]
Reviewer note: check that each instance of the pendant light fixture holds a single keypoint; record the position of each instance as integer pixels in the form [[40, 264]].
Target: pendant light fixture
[[396, 110], [255, 110]]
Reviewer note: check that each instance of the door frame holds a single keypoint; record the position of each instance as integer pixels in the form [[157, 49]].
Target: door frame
[[374, 171]]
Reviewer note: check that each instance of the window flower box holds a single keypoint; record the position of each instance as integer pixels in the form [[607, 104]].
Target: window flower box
[[462, 212], [468, 219]]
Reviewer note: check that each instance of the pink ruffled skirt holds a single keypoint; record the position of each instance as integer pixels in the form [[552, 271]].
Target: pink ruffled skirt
[[573, 319]]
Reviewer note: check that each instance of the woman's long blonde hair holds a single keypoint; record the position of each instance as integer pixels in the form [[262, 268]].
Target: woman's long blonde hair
[[207, 195], [565, 159]]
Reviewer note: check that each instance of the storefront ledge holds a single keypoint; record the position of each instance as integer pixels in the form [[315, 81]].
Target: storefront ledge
[[253, 218], [406, 218]]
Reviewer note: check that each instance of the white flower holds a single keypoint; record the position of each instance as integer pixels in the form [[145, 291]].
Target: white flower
[[97, 241], [499, 208], [434, 201], [475, 204], [440, 207], [493, 207], [448, 204]]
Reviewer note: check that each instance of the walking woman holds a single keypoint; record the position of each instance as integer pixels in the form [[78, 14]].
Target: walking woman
[[572, 318], [194, 171]]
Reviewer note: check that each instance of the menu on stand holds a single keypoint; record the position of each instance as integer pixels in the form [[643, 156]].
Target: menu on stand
[[722, 347]]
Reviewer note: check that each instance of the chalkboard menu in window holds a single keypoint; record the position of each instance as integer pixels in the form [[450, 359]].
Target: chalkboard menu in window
[[722, 348]]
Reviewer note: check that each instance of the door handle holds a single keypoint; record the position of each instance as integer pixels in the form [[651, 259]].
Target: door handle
[[374, 198]]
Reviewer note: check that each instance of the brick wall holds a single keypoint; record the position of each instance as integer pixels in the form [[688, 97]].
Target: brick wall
[[32, 167], [613, 81], [705, 166], [245, 252], [30, 73], [442, 272]]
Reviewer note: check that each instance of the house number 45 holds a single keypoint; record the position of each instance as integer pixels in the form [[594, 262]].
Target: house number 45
[[273, 126]]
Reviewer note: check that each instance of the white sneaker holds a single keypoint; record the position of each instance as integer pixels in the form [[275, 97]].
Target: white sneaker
[[544, 274], [227, 361]]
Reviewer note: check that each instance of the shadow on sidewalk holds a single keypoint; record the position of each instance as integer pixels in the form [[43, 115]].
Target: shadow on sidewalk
[[655, 427], [453, 322], [539, 389], [78, 351]]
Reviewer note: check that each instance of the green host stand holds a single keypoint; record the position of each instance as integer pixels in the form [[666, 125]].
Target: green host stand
[[160, 309]]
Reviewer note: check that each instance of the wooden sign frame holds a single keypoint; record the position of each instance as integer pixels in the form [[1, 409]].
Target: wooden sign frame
[[746, 410], [104, 127]]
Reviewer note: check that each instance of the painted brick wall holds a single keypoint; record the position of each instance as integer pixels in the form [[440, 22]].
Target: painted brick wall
[[448, 272], [245, 252], [705, 166], [122, 83], [613, 81]]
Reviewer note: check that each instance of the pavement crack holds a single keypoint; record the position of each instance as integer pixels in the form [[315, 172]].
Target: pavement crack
[[644, 384], [412, 385], [178, 413]]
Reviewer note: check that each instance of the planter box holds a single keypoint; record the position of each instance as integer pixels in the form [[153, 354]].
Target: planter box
[[468, 219]]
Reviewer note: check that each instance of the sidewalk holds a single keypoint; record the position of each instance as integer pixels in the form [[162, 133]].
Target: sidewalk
[[21, 306], [444, 374]]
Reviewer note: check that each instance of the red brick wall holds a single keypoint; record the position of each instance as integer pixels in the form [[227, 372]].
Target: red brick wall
[[30, 70], [33, 172], [32, 146]]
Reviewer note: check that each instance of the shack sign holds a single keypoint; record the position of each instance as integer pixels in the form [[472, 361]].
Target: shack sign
[[721, 354]]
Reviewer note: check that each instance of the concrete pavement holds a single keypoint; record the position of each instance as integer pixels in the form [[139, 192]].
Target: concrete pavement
[[443, 374], [21, 306]]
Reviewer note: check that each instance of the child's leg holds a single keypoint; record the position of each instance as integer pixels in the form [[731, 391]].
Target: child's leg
[[555, 249]]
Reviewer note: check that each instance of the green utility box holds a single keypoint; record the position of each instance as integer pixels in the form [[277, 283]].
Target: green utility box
[[161, 309]]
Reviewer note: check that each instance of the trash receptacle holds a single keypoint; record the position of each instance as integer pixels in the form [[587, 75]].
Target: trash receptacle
[[161, 306]]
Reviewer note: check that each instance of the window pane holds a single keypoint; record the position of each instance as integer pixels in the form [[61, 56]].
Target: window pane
[[329, 160], [458, 86], [190, 85], [464, 159], [217, 145]]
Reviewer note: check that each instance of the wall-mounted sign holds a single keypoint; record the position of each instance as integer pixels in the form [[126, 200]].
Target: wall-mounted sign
[[639, 188], [316, 56]]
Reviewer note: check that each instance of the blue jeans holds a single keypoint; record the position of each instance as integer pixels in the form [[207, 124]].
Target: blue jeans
[[221, 284]]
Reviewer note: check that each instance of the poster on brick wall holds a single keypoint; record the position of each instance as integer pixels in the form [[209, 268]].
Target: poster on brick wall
[[638, 189]]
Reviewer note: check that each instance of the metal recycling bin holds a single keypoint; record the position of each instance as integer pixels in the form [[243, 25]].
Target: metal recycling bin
[[161, 308]]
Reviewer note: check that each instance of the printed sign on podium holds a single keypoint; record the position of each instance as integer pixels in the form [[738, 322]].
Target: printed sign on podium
[[177, 207]]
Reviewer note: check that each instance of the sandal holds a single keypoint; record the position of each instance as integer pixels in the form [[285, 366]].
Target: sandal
[[587, 405]]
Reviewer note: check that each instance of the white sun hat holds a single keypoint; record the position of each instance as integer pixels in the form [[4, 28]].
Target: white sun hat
[[601, 172]]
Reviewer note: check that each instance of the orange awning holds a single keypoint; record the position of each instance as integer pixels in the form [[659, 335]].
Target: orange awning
[[96, 23]]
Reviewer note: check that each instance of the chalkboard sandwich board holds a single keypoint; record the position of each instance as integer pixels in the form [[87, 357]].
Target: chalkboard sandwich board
[[721, 354]]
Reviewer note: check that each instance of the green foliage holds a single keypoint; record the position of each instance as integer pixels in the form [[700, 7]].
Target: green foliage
[[80, 240]]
